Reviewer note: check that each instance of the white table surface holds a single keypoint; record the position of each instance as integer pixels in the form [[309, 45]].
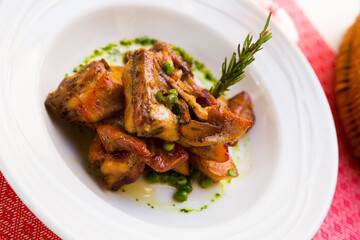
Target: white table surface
[[331, 17]]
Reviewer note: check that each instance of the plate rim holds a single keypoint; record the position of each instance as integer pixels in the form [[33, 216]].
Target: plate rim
[[10, 177]]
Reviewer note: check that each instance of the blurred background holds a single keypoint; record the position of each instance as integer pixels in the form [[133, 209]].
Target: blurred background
[[331, 17]]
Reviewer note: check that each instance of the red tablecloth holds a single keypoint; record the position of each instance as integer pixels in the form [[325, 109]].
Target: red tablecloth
[[343, 219]]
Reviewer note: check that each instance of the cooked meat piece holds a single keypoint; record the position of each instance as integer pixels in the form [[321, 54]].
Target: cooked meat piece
[[194, 95], [117, 72], [161, 160], [182, 168], [144, 115], [163, 52], [185, 117], [118, 168], [121, 169], [223, 101], [215, 170], [116, 139], [242, 106], [218, 153], [90, 95], [116, 120], [97, 153], [230, 127], [214, 123]]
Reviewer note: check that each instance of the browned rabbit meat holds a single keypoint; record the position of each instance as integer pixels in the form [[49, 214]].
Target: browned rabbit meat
[[90, 95]]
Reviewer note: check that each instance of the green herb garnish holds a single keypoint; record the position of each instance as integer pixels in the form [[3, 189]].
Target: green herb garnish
[[234, 72]]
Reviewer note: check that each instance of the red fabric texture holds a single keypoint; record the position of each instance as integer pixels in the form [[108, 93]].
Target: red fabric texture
[[16, 220], [343, 219]]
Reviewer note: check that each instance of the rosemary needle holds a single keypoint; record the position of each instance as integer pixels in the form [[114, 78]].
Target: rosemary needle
[[234, 71]]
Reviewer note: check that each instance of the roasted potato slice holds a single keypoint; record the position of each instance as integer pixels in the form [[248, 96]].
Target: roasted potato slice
[[183, 168], [217, 171], [218, 153]]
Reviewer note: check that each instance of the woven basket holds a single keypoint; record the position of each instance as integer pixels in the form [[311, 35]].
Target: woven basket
[[347, 86]]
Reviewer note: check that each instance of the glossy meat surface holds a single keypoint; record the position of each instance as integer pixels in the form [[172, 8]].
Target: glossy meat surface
[[116, 139], [144, 115], [90, 95], [213, 123], [222, 127], [118, 168], [131, 123], [161, 160]]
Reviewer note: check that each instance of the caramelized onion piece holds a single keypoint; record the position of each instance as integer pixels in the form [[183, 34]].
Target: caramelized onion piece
[[196, 131], [242, 106], [218, 153]]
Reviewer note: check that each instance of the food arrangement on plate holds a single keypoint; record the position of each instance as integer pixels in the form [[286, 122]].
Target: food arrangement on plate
[[151, 116]]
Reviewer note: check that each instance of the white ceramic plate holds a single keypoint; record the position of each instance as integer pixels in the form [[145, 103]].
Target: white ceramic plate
[[293, 144]]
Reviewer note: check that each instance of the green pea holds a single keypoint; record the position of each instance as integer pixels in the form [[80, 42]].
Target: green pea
[[172, 91], [170, 100], [153, 177], [187, 57], [159, 96], [187, 188], [205, 182], [194, 176], [182, 180], [164, 177], [232, 172], [173, 179], [168, 146], [168, 67], [181, 196]]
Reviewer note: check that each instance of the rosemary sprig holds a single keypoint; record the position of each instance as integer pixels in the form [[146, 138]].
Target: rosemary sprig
[[234, 72]]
